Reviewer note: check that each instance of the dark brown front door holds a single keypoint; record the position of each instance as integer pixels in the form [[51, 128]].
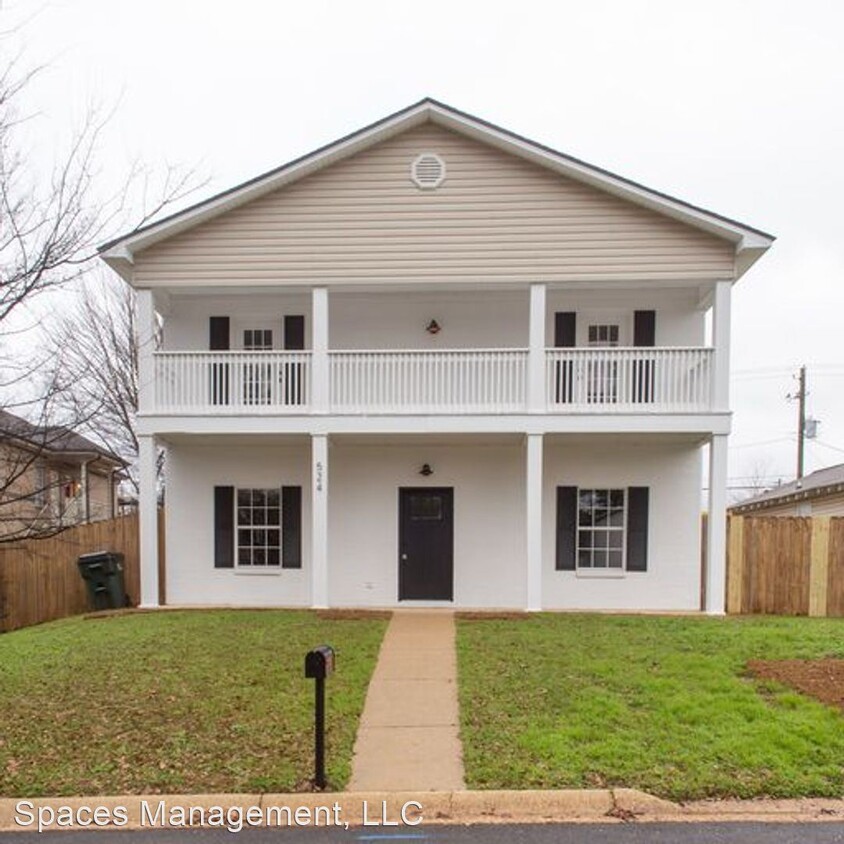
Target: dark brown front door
[[426, 544]]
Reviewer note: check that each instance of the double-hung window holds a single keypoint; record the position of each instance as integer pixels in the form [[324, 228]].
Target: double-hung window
[[258, 525], [602, 530], [601, 523]]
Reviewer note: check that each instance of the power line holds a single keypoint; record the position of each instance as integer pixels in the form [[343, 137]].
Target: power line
[[789, 438], [827, 445]]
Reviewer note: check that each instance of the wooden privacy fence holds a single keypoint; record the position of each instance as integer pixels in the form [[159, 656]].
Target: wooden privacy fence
[[39, 578], [785, 565]]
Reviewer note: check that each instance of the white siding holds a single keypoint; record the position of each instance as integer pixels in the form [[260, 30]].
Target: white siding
[[192, 473], [489, 520], [469, 319], [673, 474], [679, 319], [496, 217], [186, 320]]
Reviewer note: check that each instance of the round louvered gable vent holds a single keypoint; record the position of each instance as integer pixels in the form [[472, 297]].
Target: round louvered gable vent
[[427, 171]]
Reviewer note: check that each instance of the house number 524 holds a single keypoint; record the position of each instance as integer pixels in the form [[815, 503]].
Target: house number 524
[[319, 476]]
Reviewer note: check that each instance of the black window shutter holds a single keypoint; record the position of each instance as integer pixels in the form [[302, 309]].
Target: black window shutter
[[294, 373], [644, 371], [566, 527], [218, 334], [223, 527], [291, 527], [637, 528], [565, 324], [644, 328], [294, 333], [218, 373]]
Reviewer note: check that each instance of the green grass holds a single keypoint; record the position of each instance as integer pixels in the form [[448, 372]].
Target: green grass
[[176, 702], [661, 704]]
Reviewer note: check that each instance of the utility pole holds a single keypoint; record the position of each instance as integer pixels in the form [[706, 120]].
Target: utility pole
[[801, 421]]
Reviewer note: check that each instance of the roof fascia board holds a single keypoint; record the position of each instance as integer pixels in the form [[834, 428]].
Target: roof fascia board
[[602, 179], [122, 250], [793, 497]]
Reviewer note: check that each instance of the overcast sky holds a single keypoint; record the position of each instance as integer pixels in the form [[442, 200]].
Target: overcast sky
[[735, 106]]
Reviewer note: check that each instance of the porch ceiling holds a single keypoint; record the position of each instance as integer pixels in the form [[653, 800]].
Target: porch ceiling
[[239, 439], [643, 439], [466, 439]]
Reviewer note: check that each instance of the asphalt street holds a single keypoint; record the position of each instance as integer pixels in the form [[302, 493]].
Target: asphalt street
[[631, 833]]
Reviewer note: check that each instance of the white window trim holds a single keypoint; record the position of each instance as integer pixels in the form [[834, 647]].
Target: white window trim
[[244, 324], [605, 316], [249, 568], [607, 573]]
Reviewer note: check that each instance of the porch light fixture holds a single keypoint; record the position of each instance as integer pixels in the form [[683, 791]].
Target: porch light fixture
[[433, 327], [426, 470]]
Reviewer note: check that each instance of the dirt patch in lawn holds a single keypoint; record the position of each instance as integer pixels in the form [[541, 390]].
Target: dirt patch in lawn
[[823, 679]]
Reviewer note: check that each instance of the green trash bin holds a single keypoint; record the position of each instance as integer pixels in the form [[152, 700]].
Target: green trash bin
[[103, 572]]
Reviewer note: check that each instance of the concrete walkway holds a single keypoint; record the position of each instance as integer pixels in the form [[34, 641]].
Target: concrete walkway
[[408, 739]]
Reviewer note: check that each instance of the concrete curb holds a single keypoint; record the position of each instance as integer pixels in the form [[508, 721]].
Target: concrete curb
[[384, 809]]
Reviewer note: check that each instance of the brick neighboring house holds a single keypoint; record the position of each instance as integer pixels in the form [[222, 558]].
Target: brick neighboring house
[[52, 477], [819, 494]]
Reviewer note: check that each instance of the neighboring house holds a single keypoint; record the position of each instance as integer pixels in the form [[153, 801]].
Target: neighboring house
[[52, 477], [818, 494], [435, 363]]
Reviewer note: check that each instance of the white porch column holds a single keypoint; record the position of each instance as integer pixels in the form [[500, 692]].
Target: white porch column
[[319, 350], [533, 521], [716, 527], [145, 330], [319, 520], [148, 520], [721, 342], [536, 350]]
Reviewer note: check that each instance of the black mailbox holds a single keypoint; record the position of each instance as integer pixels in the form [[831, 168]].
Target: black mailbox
[[319, 662]]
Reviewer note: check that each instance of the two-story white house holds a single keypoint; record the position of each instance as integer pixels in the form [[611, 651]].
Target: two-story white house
[[436, 364]]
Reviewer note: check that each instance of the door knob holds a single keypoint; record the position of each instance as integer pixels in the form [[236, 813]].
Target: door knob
[[404, 556]]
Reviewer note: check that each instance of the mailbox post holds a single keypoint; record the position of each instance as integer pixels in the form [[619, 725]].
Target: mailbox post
[[319, 664]]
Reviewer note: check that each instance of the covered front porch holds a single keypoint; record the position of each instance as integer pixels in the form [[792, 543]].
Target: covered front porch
[[503, 520]]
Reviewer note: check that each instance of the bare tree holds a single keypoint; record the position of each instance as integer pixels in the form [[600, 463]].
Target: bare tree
[[93, 356], [51, 220], [50, 224]]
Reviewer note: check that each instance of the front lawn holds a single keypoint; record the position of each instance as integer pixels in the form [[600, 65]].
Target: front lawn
[[176, 702], [657, 703]]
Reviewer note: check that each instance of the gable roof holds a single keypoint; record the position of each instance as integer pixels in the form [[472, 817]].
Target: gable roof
[[52, 440], [750, 243], [827, 481]]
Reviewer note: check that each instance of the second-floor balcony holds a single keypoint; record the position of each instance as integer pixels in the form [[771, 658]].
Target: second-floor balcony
[[459, 381]]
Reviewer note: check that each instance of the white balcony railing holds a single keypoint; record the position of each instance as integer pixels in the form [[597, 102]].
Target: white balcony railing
[[455, 381], [579, 380], [638, 380], [232, 382]]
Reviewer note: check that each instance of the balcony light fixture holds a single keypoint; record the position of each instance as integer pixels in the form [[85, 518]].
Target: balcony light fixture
[[433, 327], [426, 470]]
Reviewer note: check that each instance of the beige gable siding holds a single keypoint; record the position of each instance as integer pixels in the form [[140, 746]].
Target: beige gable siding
[[496, 217], [830, 505]]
